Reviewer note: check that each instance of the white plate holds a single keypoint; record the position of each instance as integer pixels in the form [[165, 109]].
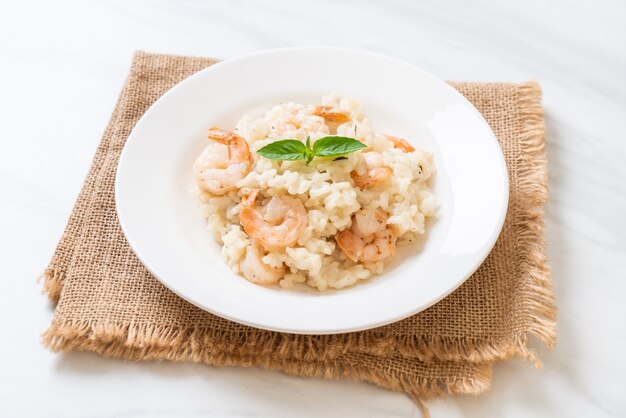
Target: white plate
[[163, 225]]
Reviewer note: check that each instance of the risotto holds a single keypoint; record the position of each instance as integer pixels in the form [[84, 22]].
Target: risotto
[[325, 221]]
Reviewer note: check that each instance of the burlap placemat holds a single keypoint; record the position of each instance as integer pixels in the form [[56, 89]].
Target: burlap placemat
[[107, 301]]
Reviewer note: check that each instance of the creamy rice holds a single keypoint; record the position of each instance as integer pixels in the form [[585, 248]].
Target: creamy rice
[[327, 191]]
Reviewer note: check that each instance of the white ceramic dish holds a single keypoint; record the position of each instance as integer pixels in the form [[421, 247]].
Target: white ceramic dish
[[163, 225]]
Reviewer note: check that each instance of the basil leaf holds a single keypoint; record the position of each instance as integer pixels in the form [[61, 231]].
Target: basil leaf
[[333, 146], [287, 149]]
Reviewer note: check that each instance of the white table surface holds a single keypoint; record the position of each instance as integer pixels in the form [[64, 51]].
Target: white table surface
[[62, 65]]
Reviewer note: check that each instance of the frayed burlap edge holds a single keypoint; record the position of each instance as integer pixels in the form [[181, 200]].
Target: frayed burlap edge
[[54, 275], [113, 340], [302, 347], [538, 303], [52, 280]]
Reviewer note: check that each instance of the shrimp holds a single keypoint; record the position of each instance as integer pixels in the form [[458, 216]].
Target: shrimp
[[281, 231], [369, 239], [224, 162], [400, 143], [332, 115], [256, 271], [376, 172]]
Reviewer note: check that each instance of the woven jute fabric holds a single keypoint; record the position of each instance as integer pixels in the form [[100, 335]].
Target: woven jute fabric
[[109, 303]]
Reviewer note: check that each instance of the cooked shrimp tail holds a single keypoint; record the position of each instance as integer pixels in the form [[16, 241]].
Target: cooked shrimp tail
[[332, 115]]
